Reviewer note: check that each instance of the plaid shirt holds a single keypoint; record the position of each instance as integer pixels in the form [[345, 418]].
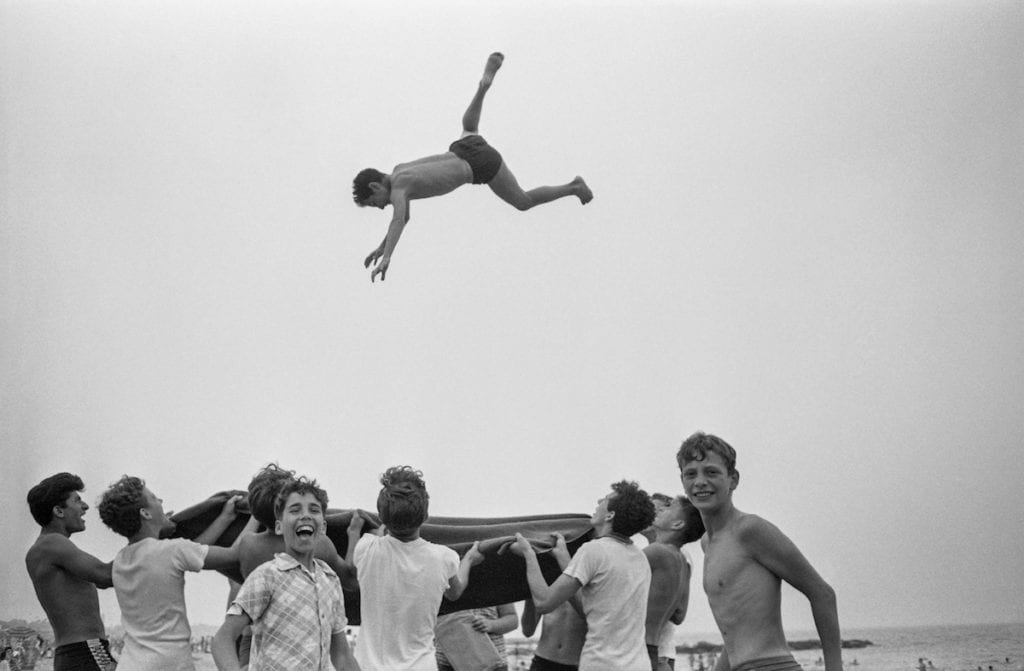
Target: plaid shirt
[[294, 614]]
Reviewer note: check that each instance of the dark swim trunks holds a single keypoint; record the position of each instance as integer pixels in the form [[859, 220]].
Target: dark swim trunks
[[783, 663], [483, 159], [542, 664], [91, 655]]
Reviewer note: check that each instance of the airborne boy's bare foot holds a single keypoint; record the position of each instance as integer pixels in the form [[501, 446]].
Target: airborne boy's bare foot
[[494, 62], [583, 191]]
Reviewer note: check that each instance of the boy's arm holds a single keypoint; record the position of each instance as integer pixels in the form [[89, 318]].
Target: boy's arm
[[225, 655], [776, 552], [218, 557], [561, 554], [400, 204], [227, 515], [457, 585], [343, 567], [684, 600], [77, 562], [545, 597], [341, 654], [530, 620], [506, 621], [661, 595]]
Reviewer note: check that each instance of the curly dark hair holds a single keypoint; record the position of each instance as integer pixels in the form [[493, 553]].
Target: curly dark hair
[[403, 500], [361, 184], [700, 444], [121, 503], [263, 490], [299, 485], [52, 491], [633, 508]]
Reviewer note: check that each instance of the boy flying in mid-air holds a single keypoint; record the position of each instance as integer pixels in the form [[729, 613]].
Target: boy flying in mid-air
[[468, 160]]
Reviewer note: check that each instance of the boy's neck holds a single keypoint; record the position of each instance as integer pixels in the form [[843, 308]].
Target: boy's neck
[[405, 537], [719, 518], [54, 528], [304, 558], [146, 531], [608, 533], [669, 537]]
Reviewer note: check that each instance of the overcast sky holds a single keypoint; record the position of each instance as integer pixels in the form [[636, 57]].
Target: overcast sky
[[805, 238]]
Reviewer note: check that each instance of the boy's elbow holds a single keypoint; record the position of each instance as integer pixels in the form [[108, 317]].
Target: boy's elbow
[[544, 606], [824, 595]]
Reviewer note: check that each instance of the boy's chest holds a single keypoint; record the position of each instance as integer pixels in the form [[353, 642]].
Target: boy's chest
[[727, 565]]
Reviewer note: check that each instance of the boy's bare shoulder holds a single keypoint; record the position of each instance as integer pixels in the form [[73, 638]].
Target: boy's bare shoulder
[[48, 546], [659, 553], [755, 531]]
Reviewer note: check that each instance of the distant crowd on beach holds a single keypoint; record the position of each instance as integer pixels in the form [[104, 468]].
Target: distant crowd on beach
[[611, 605]]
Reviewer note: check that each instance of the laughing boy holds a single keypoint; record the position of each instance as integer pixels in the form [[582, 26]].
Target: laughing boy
[[293, 602]]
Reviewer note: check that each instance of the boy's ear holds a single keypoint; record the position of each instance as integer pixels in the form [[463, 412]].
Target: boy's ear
[[58, 511], [145, 514], [735, 480], [277, 527]]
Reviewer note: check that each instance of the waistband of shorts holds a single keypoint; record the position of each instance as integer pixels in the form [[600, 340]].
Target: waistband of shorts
[[80, 645], [780, 663]]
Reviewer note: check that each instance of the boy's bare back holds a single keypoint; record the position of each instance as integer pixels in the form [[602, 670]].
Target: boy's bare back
[[430, 176]]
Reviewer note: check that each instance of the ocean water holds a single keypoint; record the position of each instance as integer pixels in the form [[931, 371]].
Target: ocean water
[[947, 648]]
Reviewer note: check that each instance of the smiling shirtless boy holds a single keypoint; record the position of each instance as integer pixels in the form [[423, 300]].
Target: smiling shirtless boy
[[746, 558]]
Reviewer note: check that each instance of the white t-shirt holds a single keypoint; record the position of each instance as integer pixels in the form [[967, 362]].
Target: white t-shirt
[[149, 580], [615, 579], [401, 586]]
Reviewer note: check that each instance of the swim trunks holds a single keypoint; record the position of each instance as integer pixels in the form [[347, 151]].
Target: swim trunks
[[541, 664], [483, 159], [781, 663], [90, 655]]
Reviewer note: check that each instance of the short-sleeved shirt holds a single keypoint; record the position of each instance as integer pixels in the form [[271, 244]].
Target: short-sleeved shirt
[[402, 585], [149, 580], [294, 612], [615, 579]]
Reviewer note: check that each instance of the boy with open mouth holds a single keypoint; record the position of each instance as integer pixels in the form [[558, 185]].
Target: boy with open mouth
[[293, 602]]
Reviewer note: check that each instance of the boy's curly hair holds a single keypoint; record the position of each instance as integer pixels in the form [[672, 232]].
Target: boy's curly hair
[[263, 490], [700, 444], [120, 505], [51, 492], [633, 508], [299, 485], [403, 500]]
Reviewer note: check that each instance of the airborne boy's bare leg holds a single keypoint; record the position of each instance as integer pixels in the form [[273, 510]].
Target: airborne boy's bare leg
[[471, 119]]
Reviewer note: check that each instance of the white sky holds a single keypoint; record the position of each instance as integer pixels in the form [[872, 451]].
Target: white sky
[[805, 237]]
